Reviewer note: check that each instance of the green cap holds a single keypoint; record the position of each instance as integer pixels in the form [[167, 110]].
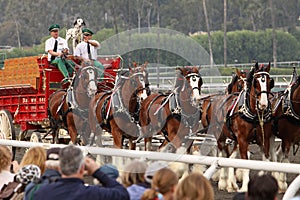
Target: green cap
[[86, 30], [54, 27]]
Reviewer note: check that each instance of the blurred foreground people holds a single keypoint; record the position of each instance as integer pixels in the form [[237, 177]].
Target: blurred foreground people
[[194, 186], [262, 187], [50, 175], [71, 186], [134, 179], [163, 185], [5, 166], [35, 156]]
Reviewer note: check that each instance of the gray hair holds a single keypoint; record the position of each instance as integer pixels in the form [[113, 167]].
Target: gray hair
[[70, 160]]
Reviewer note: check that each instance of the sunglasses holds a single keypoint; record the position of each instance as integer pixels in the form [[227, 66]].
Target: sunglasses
[[54, 31], [87, 35]]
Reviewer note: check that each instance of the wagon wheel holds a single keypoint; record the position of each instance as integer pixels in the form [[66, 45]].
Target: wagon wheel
[[35, 137], [7, 129]]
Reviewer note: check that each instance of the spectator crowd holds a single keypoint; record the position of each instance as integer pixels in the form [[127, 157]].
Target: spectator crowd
[[58, 173]]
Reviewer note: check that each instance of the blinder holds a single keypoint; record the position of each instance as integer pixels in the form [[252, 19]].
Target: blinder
[[272, 83]]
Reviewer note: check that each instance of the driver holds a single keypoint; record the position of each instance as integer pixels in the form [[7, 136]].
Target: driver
[[56, 47]]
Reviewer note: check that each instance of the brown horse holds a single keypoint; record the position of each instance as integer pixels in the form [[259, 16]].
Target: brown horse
[[69, 108], [247, 120], [235, 86], [287, 122], [175, 115], [117, 111]]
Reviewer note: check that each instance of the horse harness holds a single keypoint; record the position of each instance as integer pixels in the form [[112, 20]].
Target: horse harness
[[287, 107], [244, 111], [114, 99]]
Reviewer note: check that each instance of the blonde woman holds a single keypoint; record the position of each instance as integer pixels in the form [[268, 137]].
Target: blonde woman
[[133, 179], [163, 185], [194, 187], [35, 156]]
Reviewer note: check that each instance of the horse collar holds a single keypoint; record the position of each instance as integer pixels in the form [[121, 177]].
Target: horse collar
[[288, 109], [247, 114]]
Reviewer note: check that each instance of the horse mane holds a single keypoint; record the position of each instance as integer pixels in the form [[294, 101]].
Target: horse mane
[[249, 77]]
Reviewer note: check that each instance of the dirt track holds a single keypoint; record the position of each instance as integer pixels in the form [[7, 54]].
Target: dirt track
[[219, 195]]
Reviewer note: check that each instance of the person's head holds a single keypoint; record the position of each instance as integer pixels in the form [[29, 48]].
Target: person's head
[[36, 156], [52, 161], [87, 33], [134, 173], [110, 170], [164, 182], [153, 168], [262, 187], [71, 161], [54, 30], [194, 186], [5, 158]]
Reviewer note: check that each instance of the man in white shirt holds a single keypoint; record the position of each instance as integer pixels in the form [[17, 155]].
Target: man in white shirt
[[56, 47], [87, 50]]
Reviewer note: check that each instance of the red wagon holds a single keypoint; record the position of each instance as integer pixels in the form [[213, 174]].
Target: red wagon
[[25, 86]]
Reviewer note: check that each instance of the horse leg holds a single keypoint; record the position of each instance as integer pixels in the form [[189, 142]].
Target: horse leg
[[71, 128], [282, 184], [223, 174], [132, 145], [231, 180], [117, 134], [243, 147], [148, 144]]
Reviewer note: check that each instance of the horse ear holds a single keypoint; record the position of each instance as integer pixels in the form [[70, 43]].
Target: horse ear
[[179, 70], [83, 23], [75, 22], [256, 66], [238, 72], [268, 67]]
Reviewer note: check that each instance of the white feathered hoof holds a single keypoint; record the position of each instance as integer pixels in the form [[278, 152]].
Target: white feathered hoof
[[216, 176], [282, 187], [244, 188], [239, 175], [222, 184], [231, 187]]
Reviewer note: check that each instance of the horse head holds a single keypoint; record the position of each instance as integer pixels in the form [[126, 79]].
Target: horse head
[[86, 80], [189, 80], [237, 83], [139, 74], [260, 80]]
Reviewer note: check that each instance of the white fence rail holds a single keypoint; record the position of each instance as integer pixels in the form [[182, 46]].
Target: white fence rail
[[214, 162]]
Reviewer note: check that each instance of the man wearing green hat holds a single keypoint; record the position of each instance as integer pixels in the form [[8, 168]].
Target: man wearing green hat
[[87, 50], [56, 47]]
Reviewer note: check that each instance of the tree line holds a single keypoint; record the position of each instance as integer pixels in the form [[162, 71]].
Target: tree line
[[25, 23]]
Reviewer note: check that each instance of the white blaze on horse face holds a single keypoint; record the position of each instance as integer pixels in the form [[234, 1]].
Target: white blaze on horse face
[[194, 80], [143, 95], [263, 103], [92, 87]]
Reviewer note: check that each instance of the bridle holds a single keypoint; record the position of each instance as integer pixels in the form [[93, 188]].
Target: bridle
[[190, 76], [87, 69]]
